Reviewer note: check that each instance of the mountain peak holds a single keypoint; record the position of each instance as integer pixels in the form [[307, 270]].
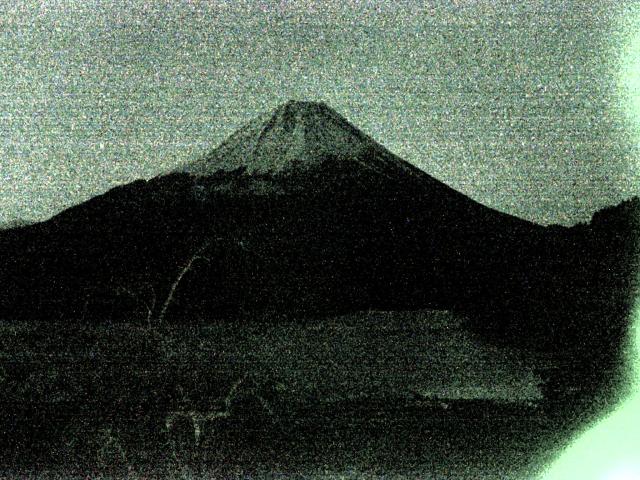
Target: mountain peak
[[301, 109], [304, 106], [295, 136]]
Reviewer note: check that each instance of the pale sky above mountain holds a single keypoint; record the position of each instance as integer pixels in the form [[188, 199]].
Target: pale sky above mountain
[[524, 106]]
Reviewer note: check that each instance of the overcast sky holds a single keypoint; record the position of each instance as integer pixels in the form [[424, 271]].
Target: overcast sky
[[519, 105]]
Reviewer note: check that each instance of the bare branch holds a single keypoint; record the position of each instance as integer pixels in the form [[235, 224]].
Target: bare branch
[[194, 258], [233, 390], [199, 419]]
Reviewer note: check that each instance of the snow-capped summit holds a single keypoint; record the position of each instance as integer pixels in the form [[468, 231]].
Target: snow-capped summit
[[295, 137]]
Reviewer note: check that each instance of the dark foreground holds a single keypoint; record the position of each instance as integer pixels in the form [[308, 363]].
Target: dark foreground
[[463, 441], [330, 400]]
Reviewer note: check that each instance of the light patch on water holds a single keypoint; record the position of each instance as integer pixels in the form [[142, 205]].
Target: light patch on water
[[624, 472], [610, 449]]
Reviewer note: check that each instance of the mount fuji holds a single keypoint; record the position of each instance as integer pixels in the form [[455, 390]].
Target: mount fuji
[[297, 138], [299, 212], [297, 293]]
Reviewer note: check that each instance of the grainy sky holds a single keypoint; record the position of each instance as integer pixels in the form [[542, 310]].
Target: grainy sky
[[524, 106]]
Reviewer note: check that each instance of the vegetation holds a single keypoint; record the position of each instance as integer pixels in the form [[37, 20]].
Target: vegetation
[[116, 398], [95, 393]]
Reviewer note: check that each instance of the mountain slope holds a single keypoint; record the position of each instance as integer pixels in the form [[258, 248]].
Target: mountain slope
[[299, 212], [307, 145], [305, 148], [295, 138]]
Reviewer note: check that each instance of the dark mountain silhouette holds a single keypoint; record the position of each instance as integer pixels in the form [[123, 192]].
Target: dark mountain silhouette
[[300, 213]]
